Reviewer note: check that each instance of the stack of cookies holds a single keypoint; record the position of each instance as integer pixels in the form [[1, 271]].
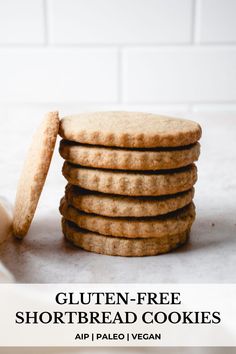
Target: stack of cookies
[[130, 181]]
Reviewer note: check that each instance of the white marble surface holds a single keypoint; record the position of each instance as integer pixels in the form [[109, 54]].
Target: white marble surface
[[210, 255]]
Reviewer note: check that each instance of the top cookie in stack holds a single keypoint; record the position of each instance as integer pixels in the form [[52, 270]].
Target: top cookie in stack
[[131, 178]]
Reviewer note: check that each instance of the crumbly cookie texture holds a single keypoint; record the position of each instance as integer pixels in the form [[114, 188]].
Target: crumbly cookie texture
[[124, 159], [121, 206], [34, 173], [129, 129], [131, 183], [168, 224], [125, 247]]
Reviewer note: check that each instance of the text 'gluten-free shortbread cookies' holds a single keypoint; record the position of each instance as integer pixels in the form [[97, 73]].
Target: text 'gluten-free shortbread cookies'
[[130, 181]]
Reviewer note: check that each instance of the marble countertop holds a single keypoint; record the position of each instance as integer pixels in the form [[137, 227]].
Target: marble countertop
[[141, 350], [209, 256]]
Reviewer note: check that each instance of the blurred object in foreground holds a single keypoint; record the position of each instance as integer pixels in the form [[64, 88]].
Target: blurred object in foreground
[[5, 230], [5, 219]]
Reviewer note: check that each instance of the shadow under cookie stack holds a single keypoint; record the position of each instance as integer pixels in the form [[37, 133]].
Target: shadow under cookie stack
[[130, 182]]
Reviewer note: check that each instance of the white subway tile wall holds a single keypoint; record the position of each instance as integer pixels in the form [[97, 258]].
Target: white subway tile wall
[[167, 54], [120, 21], [58, 74], [192, 74], [218, 21], [22, 22]]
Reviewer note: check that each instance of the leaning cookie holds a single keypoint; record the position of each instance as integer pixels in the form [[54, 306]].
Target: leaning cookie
[[168, 224], [114, 246], [131, 183], [124, 159], [118, 205], [34, 173]]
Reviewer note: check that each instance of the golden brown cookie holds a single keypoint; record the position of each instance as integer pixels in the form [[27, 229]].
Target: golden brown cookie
[[115, 246], [131, 183], [117, 205], [129, 129], [124, 159], [34, 173], [169, 224]]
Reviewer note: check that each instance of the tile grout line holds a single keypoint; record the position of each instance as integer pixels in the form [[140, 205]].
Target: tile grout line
[[196, 23], [154, 46], [45, 14], [119, 75], [193, 24], [174, 104]]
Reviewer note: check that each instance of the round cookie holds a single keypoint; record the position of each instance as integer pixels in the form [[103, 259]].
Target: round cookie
[[34, 173], [124, 159], [131, 183], [114, 246], [129, 129], [118, 206], [168, 224]]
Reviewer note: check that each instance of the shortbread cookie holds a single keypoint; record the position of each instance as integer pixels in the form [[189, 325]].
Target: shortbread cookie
[[129, 129], [131, 183], [124, 159], [117, 205], [114, 246], [158, 226], [34, 173]]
